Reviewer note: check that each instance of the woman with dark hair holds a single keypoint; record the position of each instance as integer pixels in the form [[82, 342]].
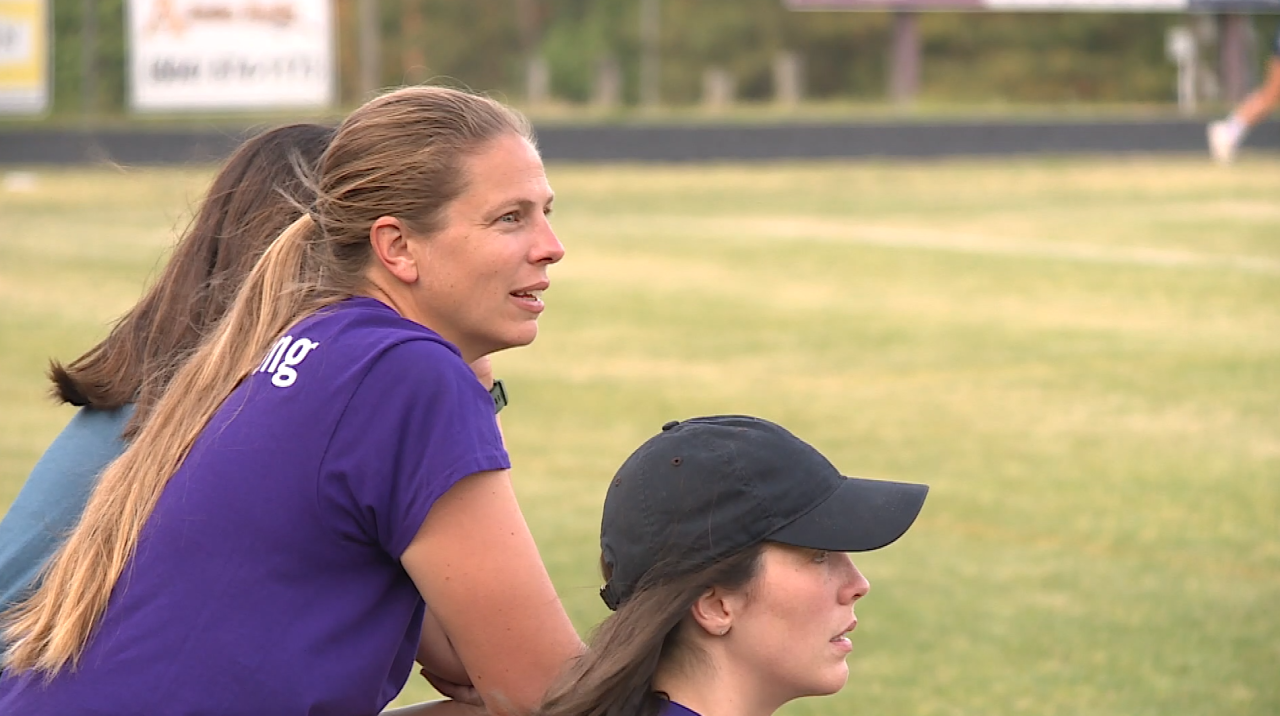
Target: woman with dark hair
[[259, 191], [328, 461], [723, 548]]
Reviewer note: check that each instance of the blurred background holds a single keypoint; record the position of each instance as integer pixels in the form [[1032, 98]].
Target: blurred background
[[102, 58], [980, 245]]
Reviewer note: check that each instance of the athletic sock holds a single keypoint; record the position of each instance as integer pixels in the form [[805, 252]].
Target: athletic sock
[[1237, 126]]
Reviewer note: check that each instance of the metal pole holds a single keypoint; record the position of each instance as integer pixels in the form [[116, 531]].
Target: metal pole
[[904, 58], [413, 62], [370, 70], [537, 75], [89, 58], [1231, 58], [650, 66]]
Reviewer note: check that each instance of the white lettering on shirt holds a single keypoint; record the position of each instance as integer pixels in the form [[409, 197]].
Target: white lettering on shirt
[[283, 356]]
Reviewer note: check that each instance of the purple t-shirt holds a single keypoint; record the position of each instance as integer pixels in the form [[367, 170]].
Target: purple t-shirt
[[671, 708], [268, 581]]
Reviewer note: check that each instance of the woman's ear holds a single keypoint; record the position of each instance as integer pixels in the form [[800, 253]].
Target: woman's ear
[[713, 611], [390, 241]]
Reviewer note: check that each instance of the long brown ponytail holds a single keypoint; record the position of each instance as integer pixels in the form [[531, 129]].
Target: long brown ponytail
[[263, 187], [401, 155], [615, 675]]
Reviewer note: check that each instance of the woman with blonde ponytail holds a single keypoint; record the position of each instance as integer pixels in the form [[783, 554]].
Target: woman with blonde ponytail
[[722, 547], [327, 463]]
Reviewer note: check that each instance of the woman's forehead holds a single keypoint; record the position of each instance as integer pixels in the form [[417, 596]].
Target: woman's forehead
[[508, 163]]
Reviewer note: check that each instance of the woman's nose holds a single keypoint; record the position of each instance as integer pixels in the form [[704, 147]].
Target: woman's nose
[[854, 586], [548, 248]]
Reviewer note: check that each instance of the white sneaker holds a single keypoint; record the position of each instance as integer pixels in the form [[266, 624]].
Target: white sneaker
[[1223, 142]]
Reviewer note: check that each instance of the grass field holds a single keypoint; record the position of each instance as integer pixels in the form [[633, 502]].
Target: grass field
[[1081, 357]]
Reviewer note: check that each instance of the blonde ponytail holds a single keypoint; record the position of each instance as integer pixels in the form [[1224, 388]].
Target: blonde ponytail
[[51, 627]]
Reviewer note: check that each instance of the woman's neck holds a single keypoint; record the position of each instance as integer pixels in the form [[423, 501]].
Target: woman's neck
[[712, 691]]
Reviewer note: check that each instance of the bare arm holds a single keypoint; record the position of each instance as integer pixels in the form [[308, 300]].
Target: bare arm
[[436, 653], [475, 562]]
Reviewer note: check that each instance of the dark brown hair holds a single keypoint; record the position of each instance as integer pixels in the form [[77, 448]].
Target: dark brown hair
[[402, 154], [260, 190], [615, 675]]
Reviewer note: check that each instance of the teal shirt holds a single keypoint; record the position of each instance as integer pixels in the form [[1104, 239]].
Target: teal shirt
[[53, 497]]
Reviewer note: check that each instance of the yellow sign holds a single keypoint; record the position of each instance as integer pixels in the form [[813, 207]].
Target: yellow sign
[[24, 56]]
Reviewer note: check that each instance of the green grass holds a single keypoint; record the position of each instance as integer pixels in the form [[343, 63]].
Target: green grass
[[1081, 357]]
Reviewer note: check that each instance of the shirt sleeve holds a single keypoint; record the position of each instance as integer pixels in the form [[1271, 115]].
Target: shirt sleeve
[[417, 424], [52, 499]]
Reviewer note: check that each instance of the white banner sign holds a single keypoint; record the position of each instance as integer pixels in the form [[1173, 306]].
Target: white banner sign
[[24, 56], [230, 54]]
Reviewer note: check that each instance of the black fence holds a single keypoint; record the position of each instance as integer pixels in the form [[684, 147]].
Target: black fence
[[690, 142]]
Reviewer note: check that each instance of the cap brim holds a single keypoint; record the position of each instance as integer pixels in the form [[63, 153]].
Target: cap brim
[[861, 515]]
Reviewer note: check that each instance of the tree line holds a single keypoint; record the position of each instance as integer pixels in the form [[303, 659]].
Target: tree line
[[583, 51]]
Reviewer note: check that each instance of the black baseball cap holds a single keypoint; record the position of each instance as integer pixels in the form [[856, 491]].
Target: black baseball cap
[[706, 488]]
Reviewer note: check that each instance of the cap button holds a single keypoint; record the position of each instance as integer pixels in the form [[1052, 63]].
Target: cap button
[[669, 424]]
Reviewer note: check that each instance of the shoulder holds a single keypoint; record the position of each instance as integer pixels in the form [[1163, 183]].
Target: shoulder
[[68, 470], [396, 344], [397, 366], [356, 339], [368, 327], [419, 386], [54, 495], [91, 436], [671, 708], [422, 367]]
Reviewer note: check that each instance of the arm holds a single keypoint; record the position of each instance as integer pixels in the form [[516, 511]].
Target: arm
[[475, 562], [436, 653], [440, 664]]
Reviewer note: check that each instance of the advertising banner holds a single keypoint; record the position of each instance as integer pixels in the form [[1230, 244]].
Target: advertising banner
[[230, 54], [24, 56]]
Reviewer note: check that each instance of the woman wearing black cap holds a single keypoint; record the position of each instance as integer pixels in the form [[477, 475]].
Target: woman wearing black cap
[[723, 549]]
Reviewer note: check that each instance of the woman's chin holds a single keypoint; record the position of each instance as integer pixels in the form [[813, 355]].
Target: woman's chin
[[833, 681], [520, 335]]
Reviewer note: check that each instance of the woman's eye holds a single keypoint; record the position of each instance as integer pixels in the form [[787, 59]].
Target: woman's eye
[[820, 555], [510, 217]]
